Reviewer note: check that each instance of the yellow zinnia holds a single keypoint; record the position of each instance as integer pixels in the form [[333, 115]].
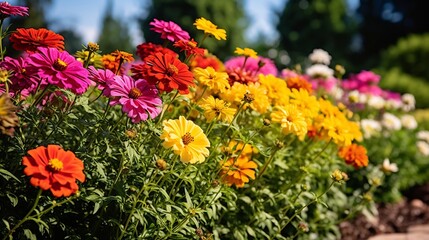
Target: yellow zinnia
[[215, 81], [186, 139], [246, 52], [209, 28], [291, 120], [216, 108]]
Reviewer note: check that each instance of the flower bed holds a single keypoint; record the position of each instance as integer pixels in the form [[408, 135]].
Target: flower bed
[[180, 145]]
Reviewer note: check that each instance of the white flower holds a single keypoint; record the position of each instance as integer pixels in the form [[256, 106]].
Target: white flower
[[408, 121], [391, 122], [320, 56], [376, 102], [423, 147], [388, 167], [393, 104], [408, 102], [319, 71], [423, 135], [354, 96], [370, 127]]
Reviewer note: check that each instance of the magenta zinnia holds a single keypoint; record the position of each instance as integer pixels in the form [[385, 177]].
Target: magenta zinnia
[[169, 30], [138, 99], [60, 69], [7, 10], [101, 77]]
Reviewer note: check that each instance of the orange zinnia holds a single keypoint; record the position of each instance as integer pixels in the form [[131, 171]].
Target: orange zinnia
[[168, 73], [354, 155], [54, 169], [29, 39], [238, 172]]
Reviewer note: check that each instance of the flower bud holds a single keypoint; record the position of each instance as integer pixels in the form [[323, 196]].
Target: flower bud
[[161, 164]]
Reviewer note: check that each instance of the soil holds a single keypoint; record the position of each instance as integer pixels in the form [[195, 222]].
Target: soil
[[392, 218]]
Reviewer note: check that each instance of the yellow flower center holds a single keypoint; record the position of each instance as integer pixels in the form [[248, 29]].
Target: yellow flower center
[[191, 44], [187, 138], [4, 75], [172, 70], [60, 65], [55, 164], [134, 93]]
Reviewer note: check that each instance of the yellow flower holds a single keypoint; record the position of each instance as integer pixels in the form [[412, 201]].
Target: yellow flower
[[246, 52], [291, 120], [306, 102], [215, 81], [186, 139], [216, 108], [4, 75], [209, 28], [8, 117], [95, 59], [277, 90]]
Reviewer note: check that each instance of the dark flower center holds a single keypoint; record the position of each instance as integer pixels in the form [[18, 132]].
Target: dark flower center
[[134, 93], [60, 65], [187, 138], [172, 70]]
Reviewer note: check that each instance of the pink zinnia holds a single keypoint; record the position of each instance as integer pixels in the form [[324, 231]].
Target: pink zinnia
[[7, 10], [256, 65], [60, 69], [23, 78], [101, 77], [169, 30], [138, 99]]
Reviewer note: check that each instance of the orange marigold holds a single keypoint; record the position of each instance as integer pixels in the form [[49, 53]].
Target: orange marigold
[[354, 155], [55, 169], [299, 82], [238, 171], [29, 39]]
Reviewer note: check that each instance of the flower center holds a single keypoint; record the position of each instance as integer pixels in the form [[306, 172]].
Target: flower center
[[60, 65], [4, 75], [187, 138], [134, 93], [55, 164], [172, 70], [191, 44]]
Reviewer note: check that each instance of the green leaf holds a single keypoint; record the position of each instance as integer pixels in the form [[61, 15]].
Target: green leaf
[[29, 234], [7, 175], [250, 231]]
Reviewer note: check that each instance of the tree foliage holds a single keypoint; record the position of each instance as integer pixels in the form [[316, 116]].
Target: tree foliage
[[308, 24], [227, 15], [114, 34]]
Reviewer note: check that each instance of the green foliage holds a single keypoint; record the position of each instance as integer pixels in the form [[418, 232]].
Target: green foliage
[[306, 25], [409, 55], [396, 80], [114, 34], [226, 15]]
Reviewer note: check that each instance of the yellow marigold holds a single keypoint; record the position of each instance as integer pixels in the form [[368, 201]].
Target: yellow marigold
[[4, 75], [304, 101], [291, 120], [246, 52], [260, 102], [234, 95], [238, 171], [122, 56], [209, 28], [354, 155], [341, 131], [186, 139], [277, 91], [215, 108], [215, 81]]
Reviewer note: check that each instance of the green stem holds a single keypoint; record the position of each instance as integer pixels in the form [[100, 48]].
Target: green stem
[[300, 210], [1, 40], [319, 153], [168, 106], [39, 193]]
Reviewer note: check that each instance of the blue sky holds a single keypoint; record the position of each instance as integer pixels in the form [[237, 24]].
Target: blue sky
[[85, 16]]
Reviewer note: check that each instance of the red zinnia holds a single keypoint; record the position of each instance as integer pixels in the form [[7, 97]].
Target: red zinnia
[[189, 47], [168, 73], [54, 169], [29, 39], [146, 49]]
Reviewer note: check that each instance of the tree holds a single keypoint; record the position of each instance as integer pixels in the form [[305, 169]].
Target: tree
[[308, 24], [227, 14], [114, 34]]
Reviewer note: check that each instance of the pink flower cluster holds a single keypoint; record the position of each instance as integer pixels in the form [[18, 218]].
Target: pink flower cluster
[[169, 30], [364, 82]]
